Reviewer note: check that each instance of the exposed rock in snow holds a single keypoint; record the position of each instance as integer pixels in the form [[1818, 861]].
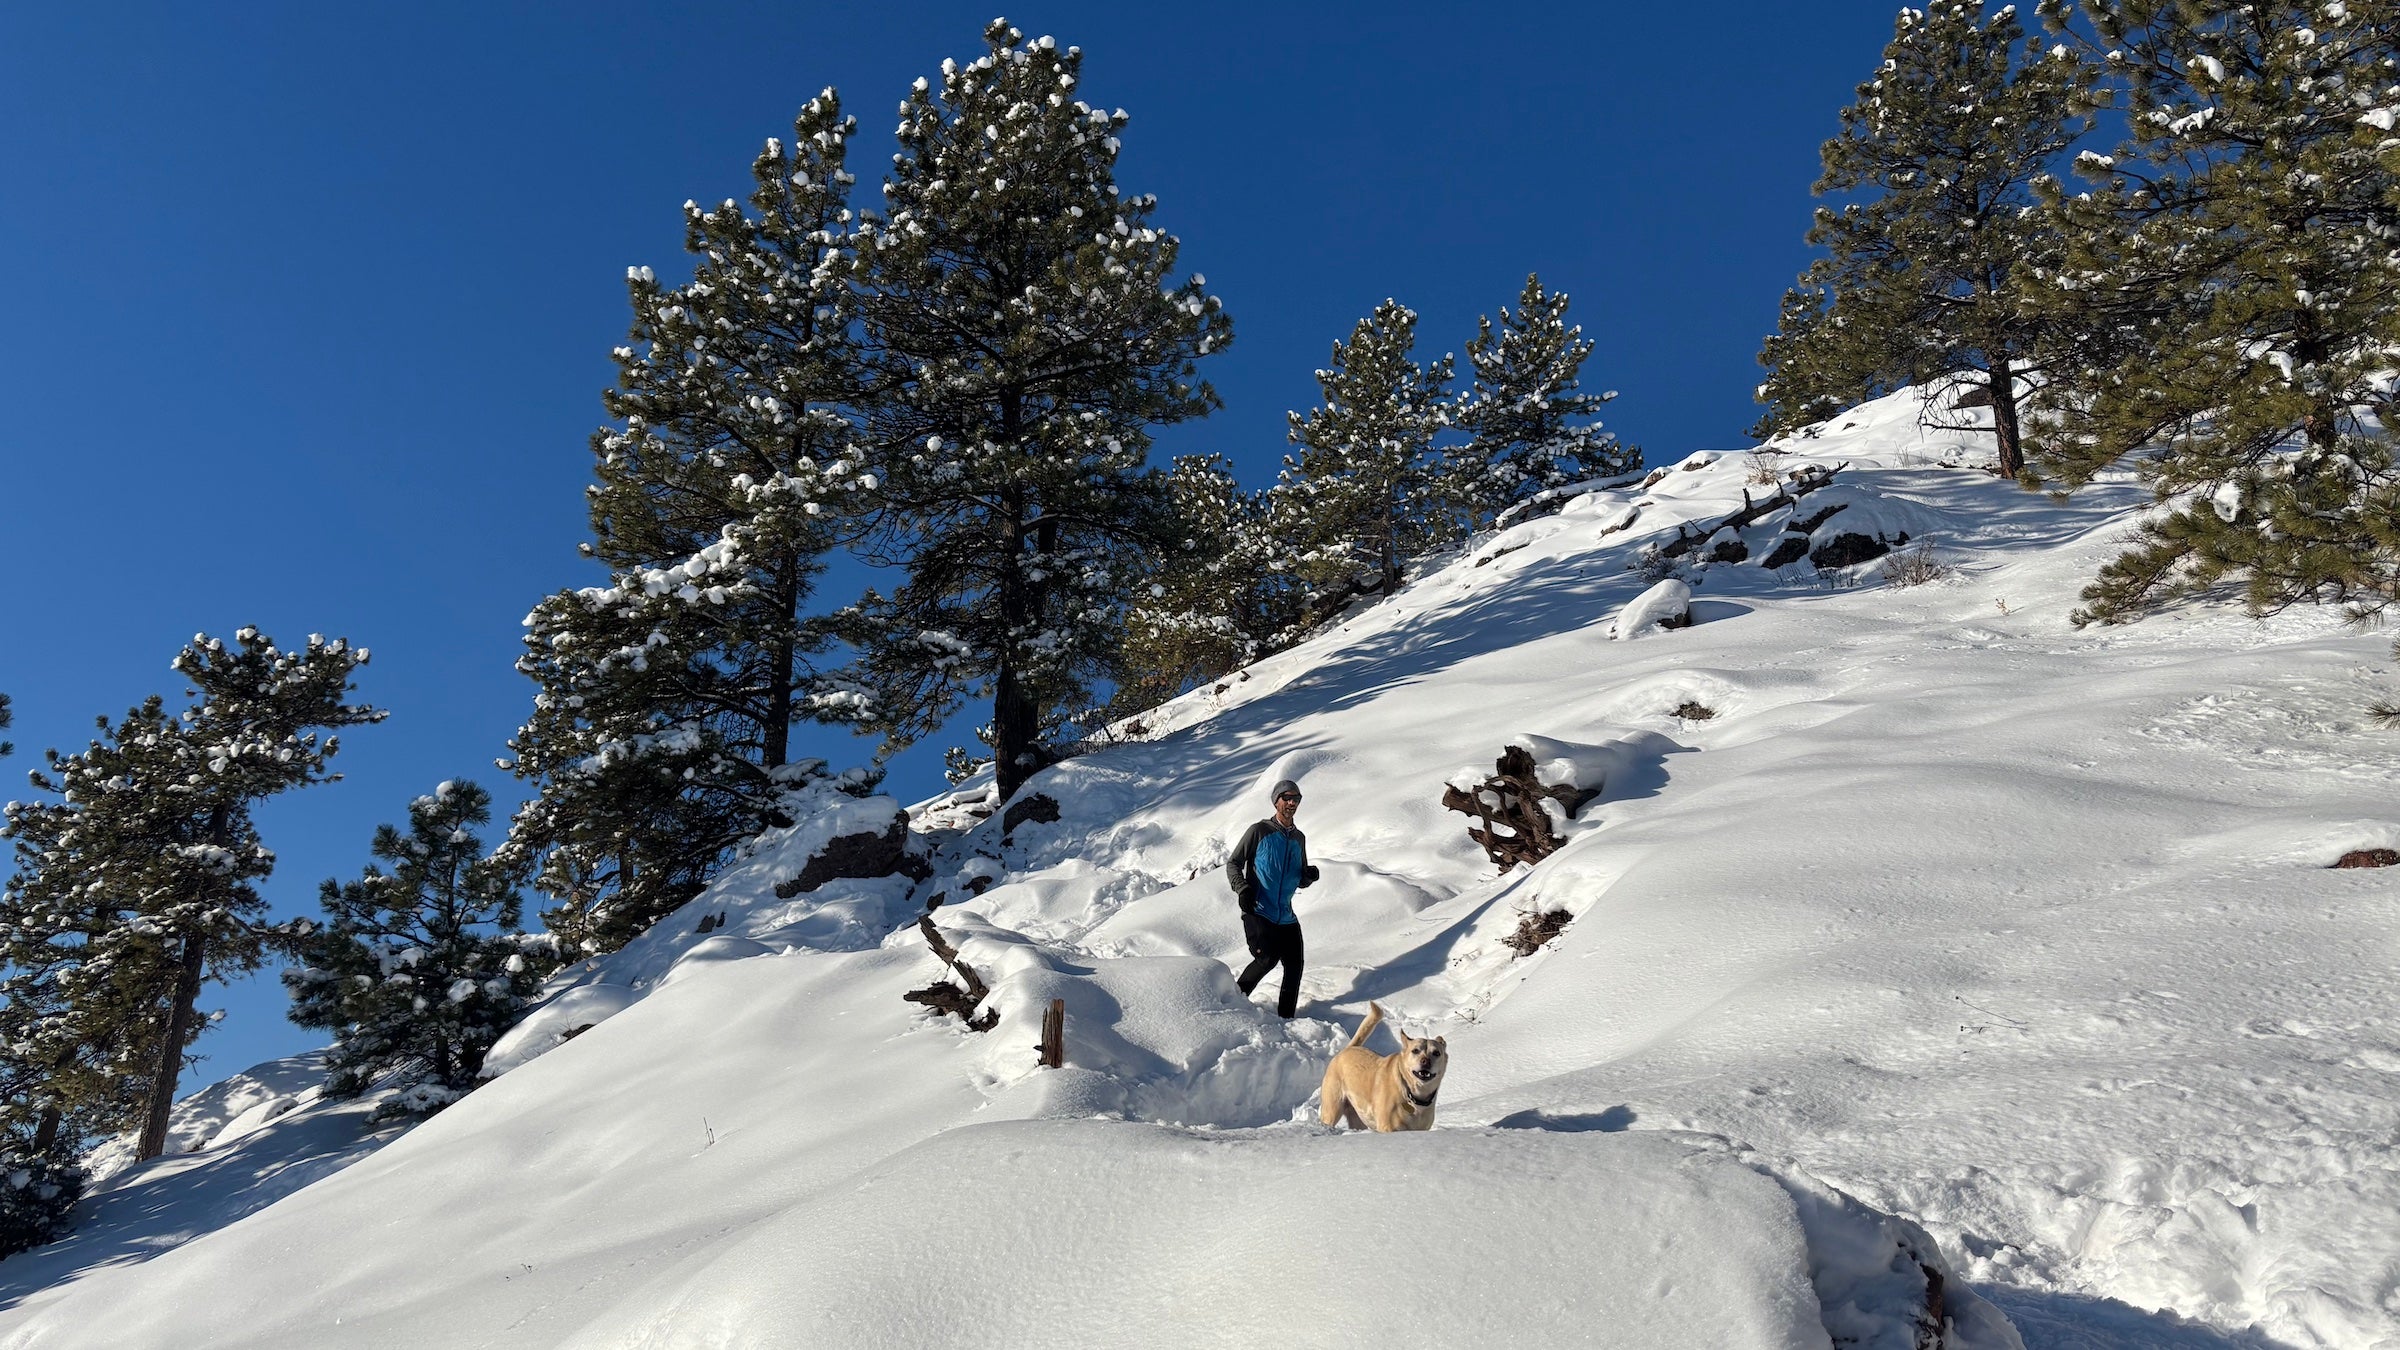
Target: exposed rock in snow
[[863, 853], [1665, 606], [1037, 807]]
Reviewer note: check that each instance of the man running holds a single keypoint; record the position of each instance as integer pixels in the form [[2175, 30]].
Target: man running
[[1269, 865]]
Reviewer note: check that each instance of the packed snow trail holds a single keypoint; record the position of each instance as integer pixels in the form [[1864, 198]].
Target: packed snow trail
[[2018, 932]]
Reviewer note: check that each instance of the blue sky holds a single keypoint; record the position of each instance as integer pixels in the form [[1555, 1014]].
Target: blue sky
[[313, 302]]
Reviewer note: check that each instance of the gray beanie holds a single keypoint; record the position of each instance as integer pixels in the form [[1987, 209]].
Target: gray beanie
[[1283, 786]]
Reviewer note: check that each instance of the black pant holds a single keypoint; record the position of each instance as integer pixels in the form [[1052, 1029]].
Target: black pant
[[1271, 943]]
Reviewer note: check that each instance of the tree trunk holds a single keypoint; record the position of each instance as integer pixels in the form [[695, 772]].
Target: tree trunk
[[1015, 721], [1014, 727], [2322, 426], [45, 1134], [775, 737], [170, 1051], [2005, 428]]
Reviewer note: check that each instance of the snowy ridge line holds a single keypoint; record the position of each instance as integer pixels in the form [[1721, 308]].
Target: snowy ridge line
[[1900, 802]]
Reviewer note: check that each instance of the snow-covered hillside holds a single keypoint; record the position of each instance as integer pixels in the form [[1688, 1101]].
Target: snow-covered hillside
[[1918, 938]]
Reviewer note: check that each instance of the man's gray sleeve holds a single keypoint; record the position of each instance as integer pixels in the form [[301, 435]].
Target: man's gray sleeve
[[1239, 872]]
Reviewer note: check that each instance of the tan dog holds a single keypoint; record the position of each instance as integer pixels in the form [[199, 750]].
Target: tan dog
[[1394, 1092]]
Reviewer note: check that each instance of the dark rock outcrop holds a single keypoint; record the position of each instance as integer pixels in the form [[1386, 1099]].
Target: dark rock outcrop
[[1039, 808], [1850, 548], [857, 855]]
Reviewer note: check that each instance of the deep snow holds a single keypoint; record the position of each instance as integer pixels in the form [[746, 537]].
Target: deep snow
[[2019, 933]]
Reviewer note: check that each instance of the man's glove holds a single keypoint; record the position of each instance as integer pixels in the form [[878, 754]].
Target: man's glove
[[1308, 875]]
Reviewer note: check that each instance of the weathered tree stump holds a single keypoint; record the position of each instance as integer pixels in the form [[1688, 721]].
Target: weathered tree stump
[[1933, 1328], [1515, 826], [960, 998], [2369, 857], [1054, 1035]]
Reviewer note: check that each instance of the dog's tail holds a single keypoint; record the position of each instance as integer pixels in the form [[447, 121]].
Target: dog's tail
[[1374, 1015]]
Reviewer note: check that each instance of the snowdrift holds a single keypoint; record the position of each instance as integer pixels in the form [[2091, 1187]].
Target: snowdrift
[[1108, 1234]]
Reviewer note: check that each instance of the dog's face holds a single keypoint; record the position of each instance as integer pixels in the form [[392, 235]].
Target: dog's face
[[1423, 1062]]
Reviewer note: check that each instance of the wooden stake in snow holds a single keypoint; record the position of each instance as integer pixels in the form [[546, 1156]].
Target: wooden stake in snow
[[1054, 1035]]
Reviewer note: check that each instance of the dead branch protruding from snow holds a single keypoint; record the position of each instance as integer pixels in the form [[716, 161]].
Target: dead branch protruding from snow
[[960, 998]]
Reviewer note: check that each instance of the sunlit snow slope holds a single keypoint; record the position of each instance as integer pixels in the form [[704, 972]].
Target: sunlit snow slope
[[2020, 934]]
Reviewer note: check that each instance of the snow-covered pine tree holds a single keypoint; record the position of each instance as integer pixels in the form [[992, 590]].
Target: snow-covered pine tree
[[60, 1083], [1930, 272], [633, 812], [1032, 332], [1215, 600], [80, 1012], [5, 717], [38, 1192], [662, 730], [251, 733], [1525, 412], [1367, 492], [41, 1175], [2251, 213], [417, 971], [133, 886]]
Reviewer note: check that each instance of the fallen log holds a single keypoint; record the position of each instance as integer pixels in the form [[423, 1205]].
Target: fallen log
[[1802, 482]]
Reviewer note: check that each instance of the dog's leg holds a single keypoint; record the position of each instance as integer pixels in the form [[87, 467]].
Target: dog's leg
[[1350, 1116]]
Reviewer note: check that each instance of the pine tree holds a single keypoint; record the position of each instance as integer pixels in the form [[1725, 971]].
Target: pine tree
[[1030, 334], [1216, 599], [1523, 412], [37, 1193], [43, 1126], [141, 886], [662, 732], [1368, 490], [1932, 272], [40, 1177], [2249, 217], [80, 1012], [641, 797], [417, 971]]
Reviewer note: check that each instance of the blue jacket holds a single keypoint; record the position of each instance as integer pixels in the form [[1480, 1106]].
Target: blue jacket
[[1266, 869]]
